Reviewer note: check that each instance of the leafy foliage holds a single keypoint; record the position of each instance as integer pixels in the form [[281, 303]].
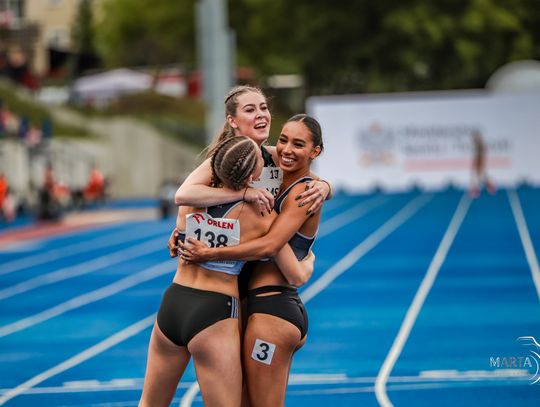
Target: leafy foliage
[[140, 32], [346, 47]]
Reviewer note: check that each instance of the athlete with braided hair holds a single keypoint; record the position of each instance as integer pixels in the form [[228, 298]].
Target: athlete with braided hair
[[247, 114], [277, 322], [198, 315]]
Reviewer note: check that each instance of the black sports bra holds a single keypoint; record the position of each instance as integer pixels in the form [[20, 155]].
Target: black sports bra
[[300, 244]]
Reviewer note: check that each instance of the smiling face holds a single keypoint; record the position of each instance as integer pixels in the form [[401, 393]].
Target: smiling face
[[252, 118], [295, 147]]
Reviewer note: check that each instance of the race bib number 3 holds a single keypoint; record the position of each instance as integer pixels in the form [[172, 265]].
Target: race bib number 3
[[270, 179], [263, 351], [214, 232]]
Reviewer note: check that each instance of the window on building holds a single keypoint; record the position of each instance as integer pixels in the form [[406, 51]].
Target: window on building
[[11, 13]]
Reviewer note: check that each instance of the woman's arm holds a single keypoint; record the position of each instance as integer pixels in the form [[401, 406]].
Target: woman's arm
[[297, 273], [196, 192], [317, 191], [291, 218]]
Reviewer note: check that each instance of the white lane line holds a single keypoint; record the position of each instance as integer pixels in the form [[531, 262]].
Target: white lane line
[[70, 250], [365, 246], [21, 247], [189, 395], [301, 380], [166, 267], [405, 387], [84, 268], [525, 238], [80, 357], [342, 219], [418, 301], [130, 331], [348, 261]]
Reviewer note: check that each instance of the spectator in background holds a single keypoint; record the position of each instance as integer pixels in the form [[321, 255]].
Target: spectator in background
[[49, 205], [2, 119], [24, 127], [4, 186], [7, 204], [46, 129], [95, 189], [167, 207], [479, 175], [11, 122], [18, 70]]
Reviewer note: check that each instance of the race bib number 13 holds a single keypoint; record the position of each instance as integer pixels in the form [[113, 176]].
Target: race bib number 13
[[270, 179]]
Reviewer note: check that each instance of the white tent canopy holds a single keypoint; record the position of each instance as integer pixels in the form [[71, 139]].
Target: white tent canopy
[[100, 88]]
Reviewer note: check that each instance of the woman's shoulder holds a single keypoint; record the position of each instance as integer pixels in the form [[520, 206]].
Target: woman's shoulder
[[296, 188]]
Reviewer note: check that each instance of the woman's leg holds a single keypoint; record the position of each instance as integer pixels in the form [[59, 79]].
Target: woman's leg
[[216, 355], [269, 345], [164, 368], [242, 323]]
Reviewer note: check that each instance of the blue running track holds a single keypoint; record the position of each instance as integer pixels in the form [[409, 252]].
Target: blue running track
[[417, 300]]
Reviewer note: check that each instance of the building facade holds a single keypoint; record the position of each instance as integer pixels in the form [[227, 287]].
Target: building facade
[[37, 27]]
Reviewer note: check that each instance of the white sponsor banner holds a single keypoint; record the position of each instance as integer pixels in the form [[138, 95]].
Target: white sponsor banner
[[424, 139]]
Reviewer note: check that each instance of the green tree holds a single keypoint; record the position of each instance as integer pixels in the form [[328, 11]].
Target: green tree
[[141, 32], [386, 45], [83, 36], [347, 47], [83, 31]]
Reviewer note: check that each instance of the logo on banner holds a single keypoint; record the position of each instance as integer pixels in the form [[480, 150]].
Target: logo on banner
[[376, 146]]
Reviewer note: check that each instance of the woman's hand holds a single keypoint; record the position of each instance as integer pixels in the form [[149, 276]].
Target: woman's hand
[[172, 243], [194, 250], [261, 197], [316, 193]]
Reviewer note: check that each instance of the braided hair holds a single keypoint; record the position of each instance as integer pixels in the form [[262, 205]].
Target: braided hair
[[233, 161], [231, 105]]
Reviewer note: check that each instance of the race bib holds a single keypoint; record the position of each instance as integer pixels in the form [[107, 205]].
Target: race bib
[[270, 179], [214, 232], [263, 351]]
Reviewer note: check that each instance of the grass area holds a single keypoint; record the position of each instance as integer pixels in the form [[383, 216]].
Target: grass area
[[22, 106], [181, 119]]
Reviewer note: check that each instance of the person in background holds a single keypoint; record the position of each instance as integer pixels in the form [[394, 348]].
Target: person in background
[[4, 186], [166, 198], [479, 176], [95, 189], [8, 204], [50, 196]]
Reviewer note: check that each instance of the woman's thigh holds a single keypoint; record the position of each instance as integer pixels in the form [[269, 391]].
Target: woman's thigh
[[165, 366], [216, 355], [269, 345]]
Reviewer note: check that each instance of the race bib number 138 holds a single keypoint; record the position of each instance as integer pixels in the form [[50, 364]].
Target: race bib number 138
[[214, 232]]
